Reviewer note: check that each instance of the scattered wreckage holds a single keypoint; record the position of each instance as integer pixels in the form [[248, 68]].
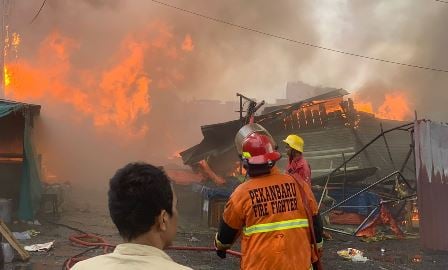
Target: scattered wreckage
[[364, 168]]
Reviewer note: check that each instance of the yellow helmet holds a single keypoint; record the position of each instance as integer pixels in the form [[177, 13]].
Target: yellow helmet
[[295, 142]]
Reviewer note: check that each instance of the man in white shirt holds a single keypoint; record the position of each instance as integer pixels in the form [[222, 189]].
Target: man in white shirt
[[142, 205]]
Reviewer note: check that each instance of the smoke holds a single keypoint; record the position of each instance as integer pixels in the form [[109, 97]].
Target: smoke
[[92, 63], [186, 57], [230, 59], [399, 30]]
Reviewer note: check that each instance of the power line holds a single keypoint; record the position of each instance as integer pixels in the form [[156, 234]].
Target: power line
[[38, 12], [296, 41], [441, 1]]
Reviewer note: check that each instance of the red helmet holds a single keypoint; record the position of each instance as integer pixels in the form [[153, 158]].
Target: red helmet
[[255, 144]]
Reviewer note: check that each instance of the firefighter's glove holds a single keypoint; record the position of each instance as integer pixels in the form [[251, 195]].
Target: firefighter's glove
[[221, 253], [321, 252], [320, 249], [221, 248]]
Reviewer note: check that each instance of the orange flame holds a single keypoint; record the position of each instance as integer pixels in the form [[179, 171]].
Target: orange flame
[[415, 216], [236, 172], [115, 97], [364, 107], [396, 106]]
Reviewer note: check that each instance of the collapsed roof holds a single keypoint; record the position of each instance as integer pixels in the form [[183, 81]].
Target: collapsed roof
[[331, 127], [218, 138]]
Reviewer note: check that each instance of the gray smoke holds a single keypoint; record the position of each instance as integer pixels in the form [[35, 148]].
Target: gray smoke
[[226, 60], [404, 31]]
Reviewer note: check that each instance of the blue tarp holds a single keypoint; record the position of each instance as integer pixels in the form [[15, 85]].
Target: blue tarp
[[364, 202], [217, 192], [31, 187], [363, 199]]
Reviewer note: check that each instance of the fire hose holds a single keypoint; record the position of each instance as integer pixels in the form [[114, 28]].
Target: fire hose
[[95, 241]]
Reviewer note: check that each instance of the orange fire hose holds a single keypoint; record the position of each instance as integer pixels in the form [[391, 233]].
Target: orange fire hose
[[95, 241]]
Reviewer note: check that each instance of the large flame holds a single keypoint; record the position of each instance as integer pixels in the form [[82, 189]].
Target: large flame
[[396, 106], [364, 106], [116, 96]]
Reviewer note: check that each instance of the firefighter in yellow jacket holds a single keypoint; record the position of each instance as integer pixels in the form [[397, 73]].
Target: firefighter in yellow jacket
[[268, 210]]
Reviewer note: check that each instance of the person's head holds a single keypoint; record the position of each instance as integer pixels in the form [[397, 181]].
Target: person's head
[[294, 146], [141, 201], [292, 153], [257, 149]]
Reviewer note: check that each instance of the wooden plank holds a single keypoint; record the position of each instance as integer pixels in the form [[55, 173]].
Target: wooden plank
[[11, 155], [6, 233], [215, 214]]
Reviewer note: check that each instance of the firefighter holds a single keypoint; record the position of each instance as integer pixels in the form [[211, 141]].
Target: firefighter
[[270, 210], [298, 167], [300, 170]]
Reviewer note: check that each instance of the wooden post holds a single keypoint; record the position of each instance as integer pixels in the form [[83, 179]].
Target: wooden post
[[6, 233]]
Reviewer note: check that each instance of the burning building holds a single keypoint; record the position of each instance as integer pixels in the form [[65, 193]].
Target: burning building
[[19, 165], [335, 130]]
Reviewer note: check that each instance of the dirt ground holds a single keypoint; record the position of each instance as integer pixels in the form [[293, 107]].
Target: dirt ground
[[398, 254]]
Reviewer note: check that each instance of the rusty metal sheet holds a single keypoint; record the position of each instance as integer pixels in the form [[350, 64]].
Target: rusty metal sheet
[[431, 158]]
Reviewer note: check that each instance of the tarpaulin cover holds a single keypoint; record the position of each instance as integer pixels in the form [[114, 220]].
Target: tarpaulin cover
[[431, 157], [30, 188], [343, 218], [213, 193], [367, 199], [382, 217]]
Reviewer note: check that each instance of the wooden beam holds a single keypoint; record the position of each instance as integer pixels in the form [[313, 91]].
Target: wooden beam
[[6, 233], [11, 155]]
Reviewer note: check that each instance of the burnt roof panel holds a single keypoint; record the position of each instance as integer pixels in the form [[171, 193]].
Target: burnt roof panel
[[34, 108]]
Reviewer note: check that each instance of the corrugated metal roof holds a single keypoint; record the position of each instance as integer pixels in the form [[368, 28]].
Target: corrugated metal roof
[[217, 135], [325, 143], [431, 150], [35, 109]]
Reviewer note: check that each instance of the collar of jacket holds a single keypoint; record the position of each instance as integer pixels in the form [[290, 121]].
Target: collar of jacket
[[140, 250]]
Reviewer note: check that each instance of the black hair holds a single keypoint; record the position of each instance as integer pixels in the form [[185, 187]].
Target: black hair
[[294, 152], [254, 170], [138, 193]]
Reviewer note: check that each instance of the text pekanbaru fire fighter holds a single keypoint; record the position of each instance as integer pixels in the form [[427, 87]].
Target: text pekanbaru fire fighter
[[271, 211]]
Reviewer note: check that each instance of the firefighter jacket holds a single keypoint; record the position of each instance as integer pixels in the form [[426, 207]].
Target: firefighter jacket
[[268, 213], [300, 169]]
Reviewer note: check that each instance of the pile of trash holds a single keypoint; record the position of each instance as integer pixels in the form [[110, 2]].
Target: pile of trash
[[353, 255]]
